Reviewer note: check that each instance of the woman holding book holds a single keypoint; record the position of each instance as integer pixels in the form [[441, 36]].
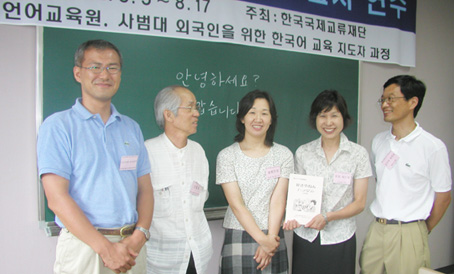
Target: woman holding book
[[327, 243], [253, 173]]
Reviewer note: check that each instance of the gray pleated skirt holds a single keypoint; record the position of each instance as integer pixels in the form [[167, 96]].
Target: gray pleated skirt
[[238, 252]]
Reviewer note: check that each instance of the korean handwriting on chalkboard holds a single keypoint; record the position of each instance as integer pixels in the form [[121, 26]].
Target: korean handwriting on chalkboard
[[215, 79], [213, 109]]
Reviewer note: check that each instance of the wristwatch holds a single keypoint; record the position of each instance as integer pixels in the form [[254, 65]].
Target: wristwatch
[[145, 231]]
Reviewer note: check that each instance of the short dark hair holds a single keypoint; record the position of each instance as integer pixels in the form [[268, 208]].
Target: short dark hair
[[325, 101], [410, 87], [97, 44], [246, 103]]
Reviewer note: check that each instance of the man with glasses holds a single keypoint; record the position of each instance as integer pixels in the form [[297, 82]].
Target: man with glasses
[[413, 187], [95, 170], [180, 240]]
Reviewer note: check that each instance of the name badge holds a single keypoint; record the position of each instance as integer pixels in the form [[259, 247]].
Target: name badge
[[273, 172], [129, 162], [342, 178], [390, 160], [196, 188]]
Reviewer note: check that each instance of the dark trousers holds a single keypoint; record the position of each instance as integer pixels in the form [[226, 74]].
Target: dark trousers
[[191, 266]]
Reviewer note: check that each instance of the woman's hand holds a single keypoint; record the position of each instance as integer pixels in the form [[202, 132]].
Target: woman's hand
[[262, 258], [318, 222], [270, 243], [290, 225]]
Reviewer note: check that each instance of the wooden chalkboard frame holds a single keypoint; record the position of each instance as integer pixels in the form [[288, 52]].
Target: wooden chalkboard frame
[[293, 79]]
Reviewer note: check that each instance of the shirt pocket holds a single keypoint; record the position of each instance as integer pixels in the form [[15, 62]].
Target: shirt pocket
[[162, 192], [162, 202]]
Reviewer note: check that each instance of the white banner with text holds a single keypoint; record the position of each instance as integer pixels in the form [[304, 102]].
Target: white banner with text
[[369, 30]]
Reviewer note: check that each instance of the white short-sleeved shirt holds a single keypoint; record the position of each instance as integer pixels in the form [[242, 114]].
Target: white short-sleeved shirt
[[409, 172], [351, 159], [251, 175], [179, 226]]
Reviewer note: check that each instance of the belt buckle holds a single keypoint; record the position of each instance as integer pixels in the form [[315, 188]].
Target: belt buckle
[[382, 221], [125, 228]]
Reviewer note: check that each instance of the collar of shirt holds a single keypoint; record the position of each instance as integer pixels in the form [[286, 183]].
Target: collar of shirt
[[410, 137], [86, 115], [344, 145], [179, 152]]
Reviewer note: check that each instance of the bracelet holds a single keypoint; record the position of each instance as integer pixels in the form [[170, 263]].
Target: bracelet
[[325, 217]]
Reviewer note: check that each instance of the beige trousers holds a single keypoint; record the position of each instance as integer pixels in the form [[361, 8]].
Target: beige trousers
[[395, 249], [76, 257]]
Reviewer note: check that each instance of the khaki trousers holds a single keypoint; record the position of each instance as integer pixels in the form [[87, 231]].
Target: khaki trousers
[[395, 249], [76, 257]]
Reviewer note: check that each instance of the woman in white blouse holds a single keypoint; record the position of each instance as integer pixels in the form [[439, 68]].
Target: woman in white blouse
[[253, 173], [327, 243]]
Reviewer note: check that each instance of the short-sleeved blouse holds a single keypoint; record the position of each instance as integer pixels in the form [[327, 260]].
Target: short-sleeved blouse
[[251, 175], [350, 158]]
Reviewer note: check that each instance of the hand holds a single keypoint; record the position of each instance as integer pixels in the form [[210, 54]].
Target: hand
[[118, 257], [135, 241], [262, 258], [290, 225], [270, 244], [318, 222]]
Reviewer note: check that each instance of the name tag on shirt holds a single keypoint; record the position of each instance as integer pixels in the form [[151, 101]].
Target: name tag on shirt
[[196, 188], [390, 160], [273, 172], [342, 178], [129, 162]]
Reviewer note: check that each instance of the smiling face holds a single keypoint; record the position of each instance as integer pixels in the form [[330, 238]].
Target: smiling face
[[330, 123], [397, 109], [98, 88], [258, 119]]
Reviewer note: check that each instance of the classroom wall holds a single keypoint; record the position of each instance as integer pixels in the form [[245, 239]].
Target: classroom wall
[[26, 249]]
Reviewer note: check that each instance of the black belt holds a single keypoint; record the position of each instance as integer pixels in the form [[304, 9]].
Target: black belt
[[395, 222]]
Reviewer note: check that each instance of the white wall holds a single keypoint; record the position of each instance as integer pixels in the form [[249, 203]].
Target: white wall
[[25, 248]]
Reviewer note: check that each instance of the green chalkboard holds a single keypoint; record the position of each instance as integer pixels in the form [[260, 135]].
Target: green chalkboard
[[219, 74]]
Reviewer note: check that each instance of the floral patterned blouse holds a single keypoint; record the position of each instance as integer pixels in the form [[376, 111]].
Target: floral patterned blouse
[[350, 161]]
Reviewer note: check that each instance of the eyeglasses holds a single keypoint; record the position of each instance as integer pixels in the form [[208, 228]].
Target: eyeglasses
[[388, 100], [192, 109], [99, 69]]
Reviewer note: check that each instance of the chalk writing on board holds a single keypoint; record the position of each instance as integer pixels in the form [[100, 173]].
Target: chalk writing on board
[[213, 109], [215, 79]]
